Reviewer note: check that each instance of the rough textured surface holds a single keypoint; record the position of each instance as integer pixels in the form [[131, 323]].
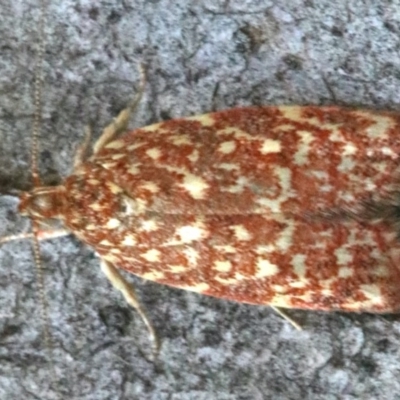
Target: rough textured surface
[[199, 57]]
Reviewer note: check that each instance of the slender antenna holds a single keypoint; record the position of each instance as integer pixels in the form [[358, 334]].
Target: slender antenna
[[38, 84], [44, 308], [37, 124]]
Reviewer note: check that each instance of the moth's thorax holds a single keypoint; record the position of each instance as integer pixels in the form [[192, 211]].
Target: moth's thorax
[[94, 202], [43, 202]]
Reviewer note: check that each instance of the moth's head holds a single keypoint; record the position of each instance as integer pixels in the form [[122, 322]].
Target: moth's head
[[42, 203]]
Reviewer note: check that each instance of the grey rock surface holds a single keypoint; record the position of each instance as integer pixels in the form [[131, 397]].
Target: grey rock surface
[[199, 56]]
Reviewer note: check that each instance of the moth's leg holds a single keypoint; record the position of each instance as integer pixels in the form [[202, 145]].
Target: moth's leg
[[83, 151], [127, 290], [120, 123], [42, 235], [286, 317]]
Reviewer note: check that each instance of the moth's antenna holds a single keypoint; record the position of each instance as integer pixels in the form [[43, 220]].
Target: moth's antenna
[[44, 309], [38, 84], [37, 124]]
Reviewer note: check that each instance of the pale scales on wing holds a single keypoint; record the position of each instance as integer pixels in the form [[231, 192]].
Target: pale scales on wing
[[264, 205]]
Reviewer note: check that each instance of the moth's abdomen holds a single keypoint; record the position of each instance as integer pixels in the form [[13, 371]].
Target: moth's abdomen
[[271, 205]]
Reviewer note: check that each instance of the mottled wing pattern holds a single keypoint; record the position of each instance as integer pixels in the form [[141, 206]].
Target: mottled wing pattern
[[258, 205]]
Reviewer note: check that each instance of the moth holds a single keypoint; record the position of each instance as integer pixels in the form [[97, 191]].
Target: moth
[[287, 206]]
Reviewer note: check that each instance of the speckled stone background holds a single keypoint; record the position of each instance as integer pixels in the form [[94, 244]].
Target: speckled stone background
[[199, 56]]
